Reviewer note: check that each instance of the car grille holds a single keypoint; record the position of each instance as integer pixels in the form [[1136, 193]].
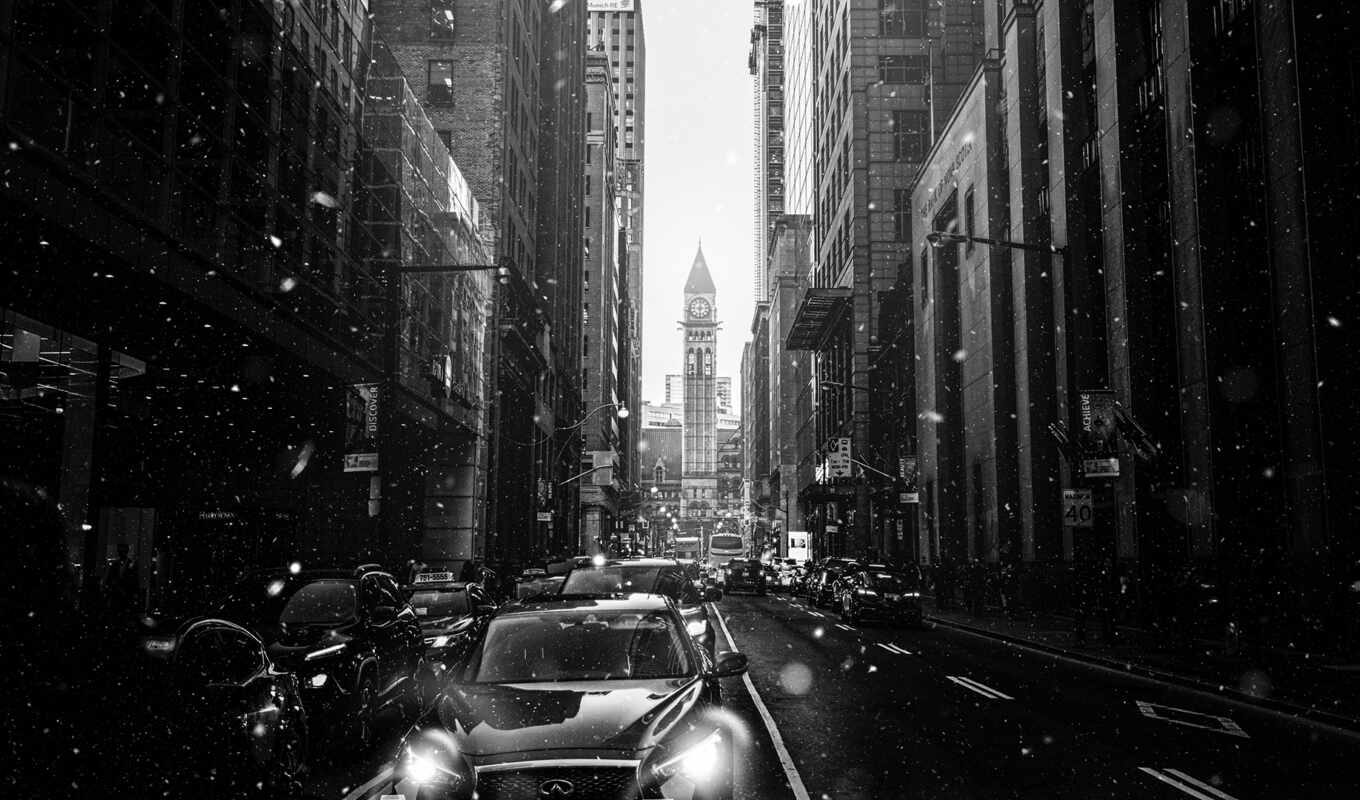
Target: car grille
[[587, 783]]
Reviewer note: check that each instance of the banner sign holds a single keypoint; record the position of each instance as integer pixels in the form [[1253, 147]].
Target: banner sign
[[1099, 448], [361, 427], [906, 466], [838, 457]]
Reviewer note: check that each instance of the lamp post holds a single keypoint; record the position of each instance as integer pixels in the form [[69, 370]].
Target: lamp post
[[383, 478]]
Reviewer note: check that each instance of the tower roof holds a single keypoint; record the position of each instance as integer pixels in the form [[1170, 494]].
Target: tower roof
[[699, 281]]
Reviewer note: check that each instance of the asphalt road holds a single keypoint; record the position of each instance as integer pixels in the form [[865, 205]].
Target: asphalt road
[[878, 711]]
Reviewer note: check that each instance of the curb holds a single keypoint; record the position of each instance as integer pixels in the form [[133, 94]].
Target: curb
[[1341, 723]]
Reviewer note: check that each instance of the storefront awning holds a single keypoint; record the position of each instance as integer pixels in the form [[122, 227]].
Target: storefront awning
[[819, 311]]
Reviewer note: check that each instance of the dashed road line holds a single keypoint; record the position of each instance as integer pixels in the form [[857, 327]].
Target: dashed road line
[[980, 688], [899, 649], [800, 791], [817, 614], [1191, 719], [1192, 786], [844, 627]]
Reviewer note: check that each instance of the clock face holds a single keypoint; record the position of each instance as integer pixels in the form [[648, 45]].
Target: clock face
[[699, 308]]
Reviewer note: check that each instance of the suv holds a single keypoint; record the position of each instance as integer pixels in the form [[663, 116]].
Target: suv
[[664, 576], [745, 575], [349, 635], [880, 592]]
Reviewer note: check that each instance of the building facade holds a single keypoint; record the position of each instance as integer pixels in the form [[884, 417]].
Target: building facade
[[615, 26], [600, 342], [879, 70], [480, 60], [766, 64], [202, 355]]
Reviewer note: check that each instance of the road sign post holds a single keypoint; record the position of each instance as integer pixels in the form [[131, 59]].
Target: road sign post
[[1078, 508]]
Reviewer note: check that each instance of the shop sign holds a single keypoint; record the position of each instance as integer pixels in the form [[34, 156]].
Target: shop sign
[[361, 427]]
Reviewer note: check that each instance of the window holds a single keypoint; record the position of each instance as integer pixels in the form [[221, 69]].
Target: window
[[909, 135], [587, 216], [440, 87], [902, 18], [923, 265], [588, 183], [445, 136], [969, 218], [902, 69], [901, 215]]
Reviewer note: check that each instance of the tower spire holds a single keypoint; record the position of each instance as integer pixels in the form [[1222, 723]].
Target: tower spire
[[700, 281]]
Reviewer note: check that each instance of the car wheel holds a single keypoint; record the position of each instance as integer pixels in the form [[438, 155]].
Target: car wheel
[[363, 712]]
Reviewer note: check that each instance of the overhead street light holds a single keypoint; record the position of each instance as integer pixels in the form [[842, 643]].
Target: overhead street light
[[942, 238]]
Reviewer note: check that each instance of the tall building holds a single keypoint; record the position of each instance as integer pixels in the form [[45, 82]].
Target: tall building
[[560, 231], [766, 64], [1152, 274], [206, 349], [477, 64], [616, 27], [675, 392], [880, 69], [700, 325], [600, 367]]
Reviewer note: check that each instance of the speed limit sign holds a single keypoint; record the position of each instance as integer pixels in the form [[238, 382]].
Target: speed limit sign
[[1077, 512]]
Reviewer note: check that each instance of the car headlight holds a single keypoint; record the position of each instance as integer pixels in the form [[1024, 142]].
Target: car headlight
[[433, 761], [866, 592], [697, 627], [437, 641], [325, 651], [699, 762], [318, 680]]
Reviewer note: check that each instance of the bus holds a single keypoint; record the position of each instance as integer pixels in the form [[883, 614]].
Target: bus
[[688, 547], [723, 547]]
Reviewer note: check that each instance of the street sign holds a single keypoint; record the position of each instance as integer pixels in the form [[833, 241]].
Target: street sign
[[838, 463], [909, 497], [1077, 510], [545, 516]]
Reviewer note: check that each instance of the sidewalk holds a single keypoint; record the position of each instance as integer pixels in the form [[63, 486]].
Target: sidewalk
[[1300, 685]]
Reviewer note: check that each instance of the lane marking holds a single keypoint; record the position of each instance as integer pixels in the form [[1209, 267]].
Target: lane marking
[[844, 627], [785, 760], [885, 647], [981, 688], [895, 646], [817, 614], [1187, 784], [363, 790], [1191, 719], [1213, 790]]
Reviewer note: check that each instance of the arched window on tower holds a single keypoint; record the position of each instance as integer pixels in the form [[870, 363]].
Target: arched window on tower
[[689, 362]]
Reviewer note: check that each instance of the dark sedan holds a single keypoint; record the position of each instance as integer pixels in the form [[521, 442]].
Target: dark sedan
[[577, 697], [822, 583], [351, 637], [664, 576], [881, 593], [448, 611], [745, 575]]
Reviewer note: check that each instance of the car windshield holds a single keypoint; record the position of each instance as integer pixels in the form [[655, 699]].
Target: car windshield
[[440, 602], [576, 644], [320, 602], [610, 579], [725, 541], [891, 581]]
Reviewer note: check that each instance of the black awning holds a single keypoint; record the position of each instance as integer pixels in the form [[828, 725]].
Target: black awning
[[819, 311]]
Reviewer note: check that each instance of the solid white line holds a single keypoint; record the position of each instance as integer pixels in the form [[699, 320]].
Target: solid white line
[[999, 694], [384, 774], [1173, 782], [904, 651], [790, 771], [1216, 792]]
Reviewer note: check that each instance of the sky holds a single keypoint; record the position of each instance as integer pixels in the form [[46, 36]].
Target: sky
[[698, 177]]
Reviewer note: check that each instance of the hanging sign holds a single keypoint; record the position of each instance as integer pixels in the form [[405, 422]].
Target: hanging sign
[[361, 427]]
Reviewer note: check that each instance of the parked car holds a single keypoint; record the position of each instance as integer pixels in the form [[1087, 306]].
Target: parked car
[[879, 592], [213, 708], [664, 576], [523, 713], [821, 586], [350, 636], [745, 575]]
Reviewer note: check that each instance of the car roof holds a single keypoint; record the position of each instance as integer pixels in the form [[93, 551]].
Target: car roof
[[641, 562], [603, 602]]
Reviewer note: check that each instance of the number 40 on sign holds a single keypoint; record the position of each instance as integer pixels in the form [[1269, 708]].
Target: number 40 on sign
[[1077, 512]]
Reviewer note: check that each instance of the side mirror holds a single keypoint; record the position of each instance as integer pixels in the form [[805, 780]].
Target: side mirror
[[383, 615], [729, 664], [713, 595]]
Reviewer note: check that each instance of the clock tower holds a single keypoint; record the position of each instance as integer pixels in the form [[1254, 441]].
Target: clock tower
[[699, 479]]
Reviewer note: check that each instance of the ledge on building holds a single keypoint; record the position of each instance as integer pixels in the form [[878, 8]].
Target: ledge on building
[[818, 312]]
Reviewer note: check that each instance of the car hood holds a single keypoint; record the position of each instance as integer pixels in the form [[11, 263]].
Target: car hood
[[617, 716], [439, 626]]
